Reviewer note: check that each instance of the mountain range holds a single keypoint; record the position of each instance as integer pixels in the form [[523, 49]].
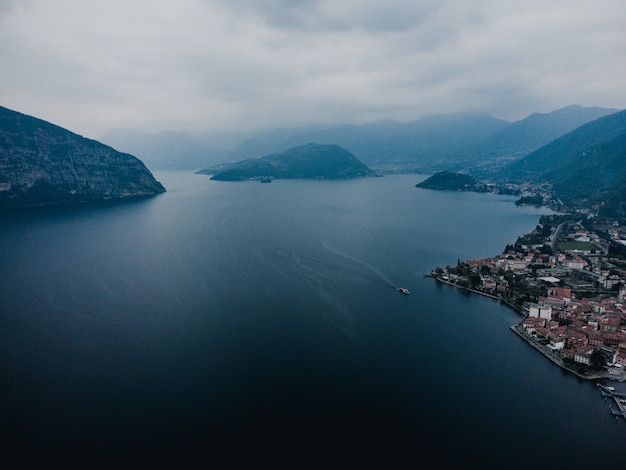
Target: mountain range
[[434, 142], [429, 144], [580, 151]]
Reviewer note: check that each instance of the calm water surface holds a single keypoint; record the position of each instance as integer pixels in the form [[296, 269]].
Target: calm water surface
[[229, 317]]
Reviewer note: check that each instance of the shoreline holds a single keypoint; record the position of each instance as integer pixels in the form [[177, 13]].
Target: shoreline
[[516, 328]]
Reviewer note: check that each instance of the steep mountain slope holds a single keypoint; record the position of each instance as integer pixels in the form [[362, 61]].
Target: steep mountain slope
[[588, 163], [531, 133], [306, 161], [41, 164]]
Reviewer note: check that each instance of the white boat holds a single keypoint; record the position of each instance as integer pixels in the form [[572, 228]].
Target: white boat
[[403, 290]]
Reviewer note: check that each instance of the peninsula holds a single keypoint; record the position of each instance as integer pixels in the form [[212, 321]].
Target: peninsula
[[451, 181], [43, 164]]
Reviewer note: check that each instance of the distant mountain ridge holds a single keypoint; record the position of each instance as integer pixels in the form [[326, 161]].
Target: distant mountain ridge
[[391, 146], [305, 162], [433, 143], [44, 164]]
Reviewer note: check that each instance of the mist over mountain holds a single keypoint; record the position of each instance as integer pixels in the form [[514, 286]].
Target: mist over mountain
[[166, 150], [44, 164], [432, 143]]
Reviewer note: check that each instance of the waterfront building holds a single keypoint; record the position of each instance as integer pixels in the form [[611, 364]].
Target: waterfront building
[[583, 356]]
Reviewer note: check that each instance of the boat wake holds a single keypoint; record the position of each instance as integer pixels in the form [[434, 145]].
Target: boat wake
[[374, 275]]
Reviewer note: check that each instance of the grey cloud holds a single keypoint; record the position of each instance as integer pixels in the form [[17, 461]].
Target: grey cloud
[[309, 16], [226, 64], [7, 5]]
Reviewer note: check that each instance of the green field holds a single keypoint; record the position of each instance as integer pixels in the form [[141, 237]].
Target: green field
[[582, 246]]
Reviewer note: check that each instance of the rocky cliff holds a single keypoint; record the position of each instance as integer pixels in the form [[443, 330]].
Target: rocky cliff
[[44, 164]]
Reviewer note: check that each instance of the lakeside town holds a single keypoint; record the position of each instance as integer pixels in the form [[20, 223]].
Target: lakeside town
[[567, 278]]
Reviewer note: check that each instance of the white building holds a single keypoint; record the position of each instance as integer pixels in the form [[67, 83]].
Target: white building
[[540, 311], [556, 344], [583, 356]]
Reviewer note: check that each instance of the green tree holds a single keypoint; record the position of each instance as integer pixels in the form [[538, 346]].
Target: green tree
[[474, 279], [597, 360]]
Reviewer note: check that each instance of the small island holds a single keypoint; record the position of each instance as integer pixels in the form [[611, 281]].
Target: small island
[[311, 161]]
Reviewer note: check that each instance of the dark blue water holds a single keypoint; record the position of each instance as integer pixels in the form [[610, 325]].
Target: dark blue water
[[262, 319]]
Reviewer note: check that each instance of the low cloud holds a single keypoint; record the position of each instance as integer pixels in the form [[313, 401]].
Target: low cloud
[[229, 65]]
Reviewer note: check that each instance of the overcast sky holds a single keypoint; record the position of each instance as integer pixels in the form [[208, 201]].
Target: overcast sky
[[213, 65]]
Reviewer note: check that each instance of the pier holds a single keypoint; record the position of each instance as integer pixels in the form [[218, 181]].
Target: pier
[[618, 397]]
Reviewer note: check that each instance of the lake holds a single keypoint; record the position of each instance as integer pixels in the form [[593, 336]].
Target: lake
[[245, 319]]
